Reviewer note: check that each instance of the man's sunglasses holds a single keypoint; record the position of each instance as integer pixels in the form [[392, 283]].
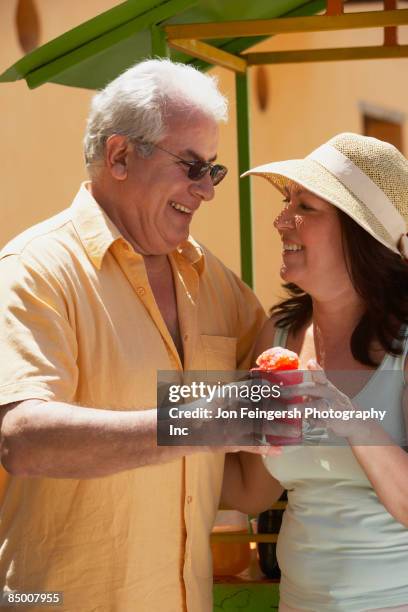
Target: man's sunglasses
[[197, 169]]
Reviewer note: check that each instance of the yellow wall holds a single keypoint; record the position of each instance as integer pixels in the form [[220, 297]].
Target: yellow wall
[[41, 132]]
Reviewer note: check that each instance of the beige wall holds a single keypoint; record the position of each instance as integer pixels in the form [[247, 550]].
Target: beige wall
[[41, 132]]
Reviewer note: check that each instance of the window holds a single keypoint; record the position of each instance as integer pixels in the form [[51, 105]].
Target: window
[[383, 129]]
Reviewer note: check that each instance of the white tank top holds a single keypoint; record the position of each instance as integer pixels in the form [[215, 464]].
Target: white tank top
[[339, 549]]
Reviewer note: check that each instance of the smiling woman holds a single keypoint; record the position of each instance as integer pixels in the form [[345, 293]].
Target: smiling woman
[[374, 273], [311, 235], [344, 538]]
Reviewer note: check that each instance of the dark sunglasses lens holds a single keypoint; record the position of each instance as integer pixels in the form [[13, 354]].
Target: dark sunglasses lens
[[197, 170], [217, 173]]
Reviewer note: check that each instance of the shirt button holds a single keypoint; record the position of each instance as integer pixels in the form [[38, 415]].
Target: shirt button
[[189, 499], [140, 291]]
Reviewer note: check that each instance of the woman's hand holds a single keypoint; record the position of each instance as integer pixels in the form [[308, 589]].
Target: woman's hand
[[382, 460], [328, 400]]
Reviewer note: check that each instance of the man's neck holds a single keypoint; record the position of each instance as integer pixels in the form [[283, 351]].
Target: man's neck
[[156, 265]]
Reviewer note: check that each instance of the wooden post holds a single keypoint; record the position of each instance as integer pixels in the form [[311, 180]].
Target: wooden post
[[390, 34], [245, 211], [158, 42], [334, 7]]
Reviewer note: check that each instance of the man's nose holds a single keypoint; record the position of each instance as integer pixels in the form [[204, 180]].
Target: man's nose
[[285, 220], [204, 189]]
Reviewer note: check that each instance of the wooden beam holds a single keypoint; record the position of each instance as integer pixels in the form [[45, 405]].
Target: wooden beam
[[268, 27], [238, 536], [326, 55], [210, 54]]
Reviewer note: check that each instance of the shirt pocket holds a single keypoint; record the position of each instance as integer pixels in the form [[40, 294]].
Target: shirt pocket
[[219, 352]]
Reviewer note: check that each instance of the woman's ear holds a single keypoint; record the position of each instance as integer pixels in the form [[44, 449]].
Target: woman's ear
[[116, 156]]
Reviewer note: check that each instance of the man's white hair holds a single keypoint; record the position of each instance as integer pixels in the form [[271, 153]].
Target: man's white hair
[[138, 102]]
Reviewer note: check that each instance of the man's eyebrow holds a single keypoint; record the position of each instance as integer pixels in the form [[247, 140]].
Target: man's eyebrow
[[192, 153]]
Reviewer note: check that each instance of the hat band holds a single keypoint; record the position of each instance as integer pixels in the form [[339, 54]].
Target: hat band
[[362, 187]]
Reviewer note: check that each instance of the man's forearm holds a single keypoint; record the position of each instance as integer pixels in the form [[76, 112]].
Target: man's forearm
[[60, 440]]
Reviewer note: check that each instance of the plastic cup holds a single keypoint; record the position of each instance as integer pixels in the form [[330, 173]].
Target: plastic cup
[[283, 378]]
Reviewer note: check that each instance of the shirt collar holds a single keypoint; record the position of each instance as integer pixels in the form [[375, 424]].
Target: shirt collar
[[193, 253], [97, 232], [95, 229]]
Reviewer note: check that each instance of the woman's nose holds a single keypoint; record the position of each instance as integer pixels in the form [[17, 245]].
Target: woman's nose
[[284, 220]]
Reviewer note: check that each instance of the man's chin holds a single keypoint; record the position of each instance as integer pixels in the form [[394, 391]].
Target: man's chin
[[171, 245], [181, 237]]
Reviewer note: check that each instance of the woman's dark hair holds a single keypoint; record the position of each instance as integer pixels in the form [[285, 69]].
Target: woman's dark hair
[[379, 276]]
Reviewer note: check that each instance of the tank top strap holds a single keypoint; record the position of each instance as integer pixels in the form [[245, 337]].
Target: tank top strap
[[397, 362], [281, 336], [405, 344]]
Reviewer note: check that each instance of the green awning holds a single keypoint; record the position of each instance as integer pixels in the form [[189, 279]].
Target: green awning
[[95, 52]]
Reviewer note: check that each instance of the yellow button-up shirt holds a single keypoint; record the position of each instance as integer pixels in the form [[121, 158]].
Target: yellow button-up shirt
[[79, 324]]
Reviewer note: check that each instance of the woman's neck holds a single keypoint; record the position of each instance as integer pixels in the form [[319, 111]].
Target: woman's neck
[[337, 319]]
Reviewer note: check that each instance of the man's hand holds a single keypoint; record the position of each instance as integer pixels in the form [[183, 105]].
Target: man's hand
[[229, 418]]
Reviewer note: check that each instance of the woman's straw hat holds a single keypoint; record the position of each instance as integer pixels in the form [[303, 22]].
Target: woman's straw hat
[[366, 178]]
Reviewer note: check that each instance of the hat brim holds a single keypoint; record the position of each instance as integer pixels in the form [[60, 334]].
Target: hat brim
[[315, 178]]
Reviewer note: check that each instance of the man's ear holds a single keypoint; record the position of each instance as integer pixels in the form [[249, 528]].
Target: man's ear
[[116, 156]]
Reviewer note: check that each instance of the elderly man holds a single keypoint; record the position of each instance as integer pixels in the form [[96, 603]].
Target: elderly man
[[93, 302]]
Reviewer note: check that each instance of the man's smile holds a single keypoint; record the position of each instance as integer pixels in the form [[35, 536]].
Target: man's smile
[[181, 208]]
